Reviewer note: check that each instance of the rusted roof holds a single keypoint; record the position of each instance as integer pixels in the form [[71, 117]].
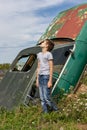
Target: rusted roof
[[67, 24]]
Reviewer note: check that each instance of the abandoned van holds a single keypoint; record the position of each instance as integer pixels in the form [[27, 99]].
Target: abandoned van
[[18, 85]]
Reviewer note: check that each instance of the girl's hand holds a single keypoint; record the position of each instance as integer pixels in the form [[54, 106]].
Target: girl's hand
[[49, 84], [37, 84]]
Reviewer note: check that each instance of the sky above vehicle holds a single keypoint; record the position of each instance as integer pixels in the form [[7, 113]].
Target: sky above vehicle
[[22, 23]]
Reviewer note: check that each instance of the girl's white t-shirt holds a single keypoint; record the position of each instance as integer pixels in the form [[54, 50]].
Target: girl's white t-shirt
[[44, 58]]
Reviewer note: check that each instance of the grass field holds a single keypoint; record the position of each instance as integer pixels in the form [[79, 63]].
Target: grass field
[[72, 114]]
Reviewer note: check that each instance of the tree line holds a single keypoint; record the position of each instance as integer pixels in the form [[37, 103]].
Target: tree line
[[4, 66]]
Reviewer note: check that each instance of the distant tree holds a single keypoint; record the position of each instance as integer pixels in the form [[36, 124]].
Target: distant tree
[[4, 66]]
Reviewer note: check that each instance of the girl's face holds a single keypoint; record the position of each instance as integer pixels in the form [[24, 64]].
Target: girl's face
[[43, 45]]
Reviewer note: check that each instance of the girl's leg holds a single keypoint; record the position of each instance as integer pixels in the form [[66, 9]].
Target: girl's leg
[[47, 94], [41, 91]]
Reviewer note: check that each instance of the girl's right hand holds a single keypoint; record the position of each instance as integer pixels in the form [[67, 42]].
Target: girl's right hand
[[37, 84]]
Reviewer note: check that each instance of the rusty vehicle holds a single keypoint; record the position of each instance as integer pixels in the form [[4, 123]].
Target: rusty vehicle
[[68, 32]]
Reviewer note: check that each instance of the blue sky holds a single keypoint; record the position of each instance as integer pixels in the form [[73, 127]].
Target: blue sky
[[22, 22]]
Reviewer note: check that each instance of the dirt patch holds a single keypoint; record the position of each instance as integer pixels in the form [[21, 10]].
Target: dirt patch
[[82, 89], [82, 126]]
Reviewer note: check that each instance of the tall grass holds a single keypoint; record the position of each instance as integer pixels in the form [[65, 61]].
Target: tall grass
[[71, 115], [72, 111]]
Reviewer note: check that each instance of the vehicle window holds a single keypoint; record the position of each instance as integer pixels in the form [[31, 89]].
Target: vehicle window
[[60, 57], [25, 63]]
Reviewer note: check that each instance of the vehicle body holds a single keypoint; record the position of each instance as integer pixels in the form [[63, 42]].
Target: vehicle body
[[17, 84]]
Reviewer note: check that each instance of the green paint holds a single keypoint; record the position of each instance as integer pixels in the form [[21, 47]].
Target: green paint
[[54, 26], [82, 12], [74, 67]]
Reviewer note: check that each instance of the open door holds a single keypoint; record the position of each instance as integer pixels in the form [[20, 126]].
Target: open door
[[19, 79]]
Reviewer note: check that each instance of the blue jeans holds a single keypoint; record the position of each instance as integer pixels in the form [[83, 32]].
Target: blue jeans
[[45, 94]]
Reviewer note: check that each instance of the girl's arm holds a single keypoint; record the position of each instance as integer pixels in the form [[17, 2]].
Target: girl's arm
[[51, 73], [37, 73]]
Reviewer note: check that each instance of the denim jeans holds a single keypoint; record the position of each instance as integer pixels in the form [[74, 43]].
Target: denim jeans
[[45, 94]]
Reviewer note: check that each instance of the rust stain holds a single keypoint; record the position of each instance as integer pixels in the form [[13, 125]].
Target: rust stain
[[73, 25], [67, 24]]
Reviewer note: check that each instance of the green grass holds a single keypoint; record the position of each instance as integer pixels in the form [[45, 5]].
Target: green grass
[[84, 80], [73, 111], [72, 115]]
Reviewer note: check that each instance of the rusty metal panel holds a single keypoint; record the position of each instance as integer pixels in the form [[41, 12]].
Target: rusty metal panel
[[67, 24], [74, 66], [15, 84]]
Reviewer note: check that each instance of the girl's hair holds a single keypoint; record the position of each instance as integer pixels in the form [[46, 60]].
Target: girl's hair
[[49, 43]]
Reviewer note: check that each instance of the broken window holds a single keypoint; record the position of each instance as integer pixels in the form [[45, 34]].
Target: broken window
[[25, 63]]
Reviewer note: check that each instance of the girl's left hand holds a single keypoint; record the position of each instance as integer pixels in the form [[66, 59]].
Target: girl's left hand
[[49, 84]]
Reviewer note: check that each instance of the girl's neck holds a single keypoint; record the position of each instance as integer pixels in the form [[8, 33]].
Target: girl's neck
[[44, 50]]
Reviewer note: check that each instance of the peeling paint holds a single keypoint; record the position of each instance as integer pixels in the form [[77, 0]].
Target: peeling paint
[[67, 24]]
